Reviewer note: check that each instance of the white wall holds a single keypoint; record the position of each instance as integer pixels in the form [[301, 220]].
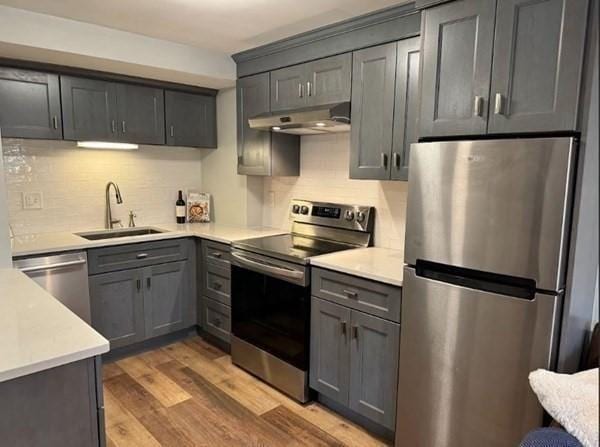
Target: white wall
[[46, 38], [237, 199], [5, 252]]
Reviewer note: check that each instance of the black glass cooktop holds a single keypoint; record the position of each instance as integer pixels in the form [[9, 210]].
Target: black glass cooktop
[[291, 247]]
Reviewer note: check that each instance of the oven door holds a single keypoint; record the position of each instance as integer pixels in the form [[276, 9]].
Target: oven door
[[271, 306]]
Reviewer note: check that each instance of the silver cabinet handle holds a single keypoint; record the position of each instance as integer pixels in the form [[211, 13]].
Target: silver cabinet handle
[[149, 282], [55, 122], [499, 104], [309, 88], [113, 126], [344, 327], [217, 285], [141, 255], [216, 255], [139, 284], [397, 160], [350, 293], [58, 265], [384, 160], [478, 106], [355, 332], [300, 90], [217, 322], [123, 126], [172, 131]]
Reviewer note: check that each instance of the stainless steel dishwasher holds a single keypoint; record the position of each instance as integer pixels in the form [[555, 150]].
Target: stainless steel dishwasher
[[64, 276]]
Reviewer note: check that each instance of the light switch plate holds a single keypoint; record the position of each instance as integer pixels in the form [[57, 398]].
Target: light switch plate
[[32, 201]]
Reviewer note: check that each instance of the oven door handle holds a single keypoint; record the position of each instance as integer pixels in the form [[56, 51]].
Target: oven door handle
[[267, 268]]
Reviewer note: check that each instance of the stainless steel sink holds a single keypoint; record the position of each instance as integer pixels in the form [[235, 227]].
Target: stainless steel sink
[[121, 232]]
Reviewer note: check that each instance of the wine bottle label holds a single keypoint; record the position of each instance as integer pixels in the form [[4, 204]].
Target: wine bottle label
[[180, 211]]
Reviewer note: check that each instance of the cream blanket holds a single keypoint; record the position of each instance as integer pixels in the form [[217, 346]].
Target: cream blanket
[[572, 400]]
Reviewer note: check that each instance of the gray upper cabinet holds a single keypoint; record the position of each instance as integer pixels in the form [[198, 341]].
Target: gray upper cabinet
[[329, 80], [330, 353], [406, 106], [456, 67], [141, 114], [324, 81], [118, 306], [30, 104], [374, 353], [288, 89], [89, 109], [261, 152], [190, 119], [372, 116], [538, 53]]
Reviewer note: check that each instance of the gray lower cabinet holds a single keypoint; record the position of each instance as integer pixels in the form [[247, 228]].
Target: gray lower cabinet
[[57, 407], [30, 104], [372, 116], [538, 54], [89, 109], [117, 304], [354, 360], [259, 152], [190, 119], [141, 114], [216, 319], [456, 66]]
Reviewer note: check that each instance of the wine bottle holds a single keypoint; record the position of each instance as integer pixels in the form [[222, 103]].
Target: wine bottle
[[180, 209]]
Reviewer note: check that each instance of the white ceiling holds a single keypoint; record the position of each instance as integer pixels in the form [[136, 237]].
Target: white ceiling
[[222, 25]]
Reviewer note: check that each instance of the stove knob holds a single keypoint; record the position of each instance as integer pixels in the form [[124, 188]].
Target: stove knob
[[304, 209], [295, 209], [349, 215], [360, 217]]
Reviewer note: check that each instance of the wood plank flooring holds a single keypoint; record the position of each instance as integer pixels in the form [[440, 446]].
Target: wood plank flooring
[[189, 394]]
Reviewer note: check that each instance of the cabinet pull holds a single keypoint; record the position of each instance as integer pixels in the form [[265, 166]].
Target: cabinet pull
[[300, 90], [499, 104], [350, 293], [149, 282], [141, 255], [355, 332], [217, 255], [123, 126], [344, 327], [139, 285], [113, 126], [309, 88], [397, 160], [478, 106], [55, 122], [217, 285], [384, 160], [217, 322], [172, 131]]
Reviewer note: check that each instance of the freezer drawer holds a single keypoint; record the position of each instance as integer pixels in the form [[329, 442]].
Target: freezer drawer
[[465, 356], [499, 206]]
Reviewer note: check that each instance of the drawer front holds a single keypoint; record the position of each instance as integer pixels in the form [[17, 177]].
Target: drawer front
[[216, 319], [217, 283], [216, 253], [372, 297], [122, 257]]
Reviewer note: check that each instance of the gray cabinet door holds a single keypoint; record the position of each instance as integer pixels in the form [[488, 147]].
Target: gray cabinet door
[[141, 114], [456, 67], [372, 116], [288, 89], [89, 109], [406, 105], [329, 80], [538, 52], [30, 104], [254, 146], [329, 350], [166, 298], [191, 119], [374, 352], [118, 306]]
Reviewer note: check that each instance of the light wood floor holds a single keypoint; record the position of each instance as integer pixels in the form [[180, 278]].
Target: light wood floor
[[189, 394]]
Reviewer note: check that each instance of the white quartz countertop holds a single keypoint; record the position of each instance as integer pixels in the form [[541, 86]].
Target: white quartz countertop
[[378, 264], [37, 332], [34, 244]]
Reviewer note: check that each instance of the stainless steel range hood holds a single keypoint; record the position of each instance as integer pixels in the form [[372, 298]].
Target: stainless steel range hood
[[309, 121]]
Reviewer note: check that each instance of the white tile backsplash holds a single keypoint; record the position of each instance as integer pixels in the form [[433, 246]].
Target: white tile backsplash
[[73, 181], [324, 177]]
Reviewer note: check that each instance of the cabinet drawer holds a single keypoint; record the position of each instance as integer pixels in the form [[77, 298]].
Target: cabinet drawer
[[122, 257], [216, 253], [217, 283], [216, 319], [371, 297]]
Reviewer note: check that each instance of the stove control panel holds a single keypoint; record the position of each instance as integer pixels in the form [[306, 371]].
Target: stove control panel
[[352, 217]]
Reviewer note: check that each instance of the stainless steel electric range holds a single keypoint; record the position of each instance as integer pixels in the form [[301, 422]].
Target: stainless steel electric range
[[270, 293]]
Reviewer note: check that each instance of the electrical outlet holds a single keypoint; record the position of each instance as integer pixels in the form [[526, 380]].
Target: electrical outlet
[[32, 201]]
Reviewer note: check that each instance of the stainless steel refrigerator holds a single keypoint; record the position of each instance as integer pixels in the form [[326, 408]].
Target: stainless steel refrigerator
[[486, 247]]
